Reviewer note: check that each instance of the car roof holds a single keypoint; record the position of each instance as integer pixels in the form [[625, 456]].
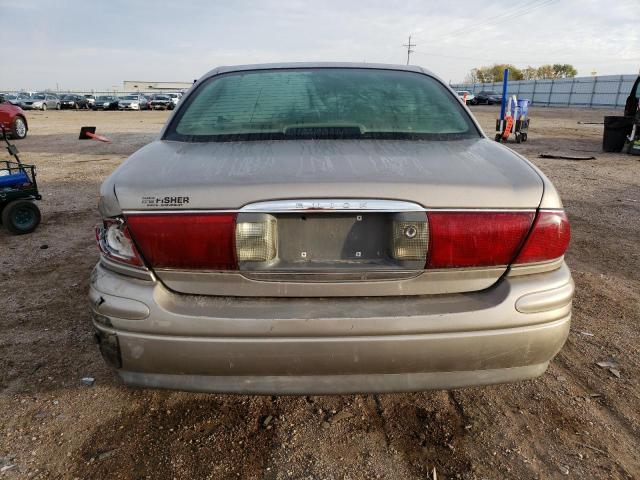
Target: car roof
[[286, 65]]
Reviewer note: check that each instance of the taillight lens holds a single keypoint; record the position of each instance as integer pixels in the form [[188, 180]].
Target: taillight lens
[[114, 241], [548, 239], [185, 240], [475, 239]]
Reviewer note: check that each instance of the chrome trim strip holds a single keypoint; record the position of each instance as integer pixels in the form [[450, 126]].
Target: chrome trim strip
[[333, 205], [329, 206]]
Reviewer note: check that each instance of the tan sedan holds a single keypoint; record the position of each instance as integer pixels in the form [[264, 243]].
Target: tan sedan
[[328, 228]]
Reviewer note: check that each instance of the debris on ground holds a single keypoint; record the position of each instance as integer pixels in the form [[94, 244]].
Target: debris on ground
[[6, 468], [610, 365], [341, 415], [607, 364], [587, 334], [565, 157], [267, 421], [615, 372], [88, 381], [563, 469], [107, 454], [590, 123]]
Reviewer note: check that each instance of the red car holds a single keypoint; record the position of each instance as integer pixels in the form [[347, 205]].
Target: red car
[[13, 119]]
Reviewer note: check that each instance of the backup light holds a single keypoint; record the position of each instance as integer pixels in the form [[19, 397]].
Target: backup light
[[256, 238], [409, 239]]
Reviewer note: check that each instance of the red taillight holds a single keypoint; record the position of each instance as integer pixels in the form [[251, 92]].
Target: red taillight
[[548, 239], [475, 239], [186, 240]]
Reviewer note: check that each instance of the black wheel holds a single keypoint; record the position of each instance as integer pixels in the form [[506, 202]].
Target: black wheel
[[21, 216], [498, 137], [524, 137], [19, 128], [518, 138]]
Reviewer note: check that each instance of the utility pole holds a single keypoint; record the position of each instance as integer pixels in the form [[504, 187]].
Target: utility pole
[[409, 51]]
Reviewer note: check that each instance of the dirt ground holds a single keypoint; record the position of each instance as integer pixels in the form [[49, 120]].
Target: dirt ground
[[578, 420]]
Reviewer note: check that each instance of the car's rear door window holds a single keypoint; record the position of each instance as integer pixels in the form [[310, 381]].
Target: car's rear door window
[[320, 103]]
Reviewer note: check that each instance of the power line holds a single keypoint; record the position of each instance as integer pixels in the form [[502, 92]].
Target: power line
[[409, 51], [477, 23], [523, 9], [498, 19]]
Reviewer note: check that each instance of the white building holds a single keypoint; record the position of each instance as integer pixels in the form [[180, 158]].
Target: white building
[[146, 86]]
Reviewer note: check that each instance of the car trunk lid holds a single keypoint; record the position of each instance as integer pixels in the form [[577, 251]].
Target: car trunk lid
[[334, 205]]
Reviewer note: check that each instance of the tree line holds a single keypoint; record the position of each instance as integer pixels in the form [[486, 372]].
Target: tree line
[[495, 73]]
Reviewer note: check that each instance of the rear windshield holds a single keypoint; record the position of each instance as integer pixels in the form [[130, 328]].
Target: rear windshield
[[320, 103]]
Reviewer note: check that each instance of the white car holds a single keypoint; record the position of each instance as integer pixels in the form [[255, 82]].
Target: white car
[[175, 97], [462, 93]]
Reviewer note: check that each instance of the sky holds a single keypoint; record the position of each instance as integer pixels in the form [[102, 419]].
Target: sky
[[86, 45]]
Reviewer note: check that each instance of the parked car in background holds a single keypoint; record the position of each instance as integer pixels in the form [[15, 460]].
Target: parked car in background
[[16, 98], [41, 101], [162, 102], [283, 236], [175, 97], [74, 101], [91, 99], [487, 97], [13, 118], [469, 98], [133, 102], [105, 102]]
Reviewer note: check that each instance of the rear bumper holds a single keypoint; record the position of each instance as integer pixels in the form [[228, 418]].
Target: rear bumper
[[341, 345]]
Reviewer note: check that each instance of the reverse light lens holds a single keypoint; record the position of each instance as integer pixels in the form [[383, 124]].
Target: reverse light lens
[[115, 243], [409, 240], [256, 241]]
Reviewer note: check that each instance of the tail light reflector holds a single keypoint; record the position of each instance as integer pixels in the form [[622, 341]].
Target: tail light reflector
[[476, 239], [114, 241], [186, 240], [548, 239]]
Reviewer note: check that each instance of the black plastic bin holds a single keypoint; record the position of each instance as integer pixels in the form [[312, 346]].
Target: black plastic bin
[[616, 131]]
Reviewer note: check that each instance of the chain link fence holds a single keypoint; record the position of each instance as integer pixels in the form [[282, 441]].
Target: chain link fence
[[100, 93], [598, 91]]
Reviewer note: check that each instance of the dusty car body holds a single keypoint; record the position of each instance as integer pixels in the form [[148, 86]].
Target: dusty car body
[[13, 119], [358, 245]]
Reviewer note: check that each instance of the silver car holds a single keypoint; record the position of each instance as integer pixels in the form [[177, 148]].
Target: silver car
[[328, 228], [41, 101], [133, 102]]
